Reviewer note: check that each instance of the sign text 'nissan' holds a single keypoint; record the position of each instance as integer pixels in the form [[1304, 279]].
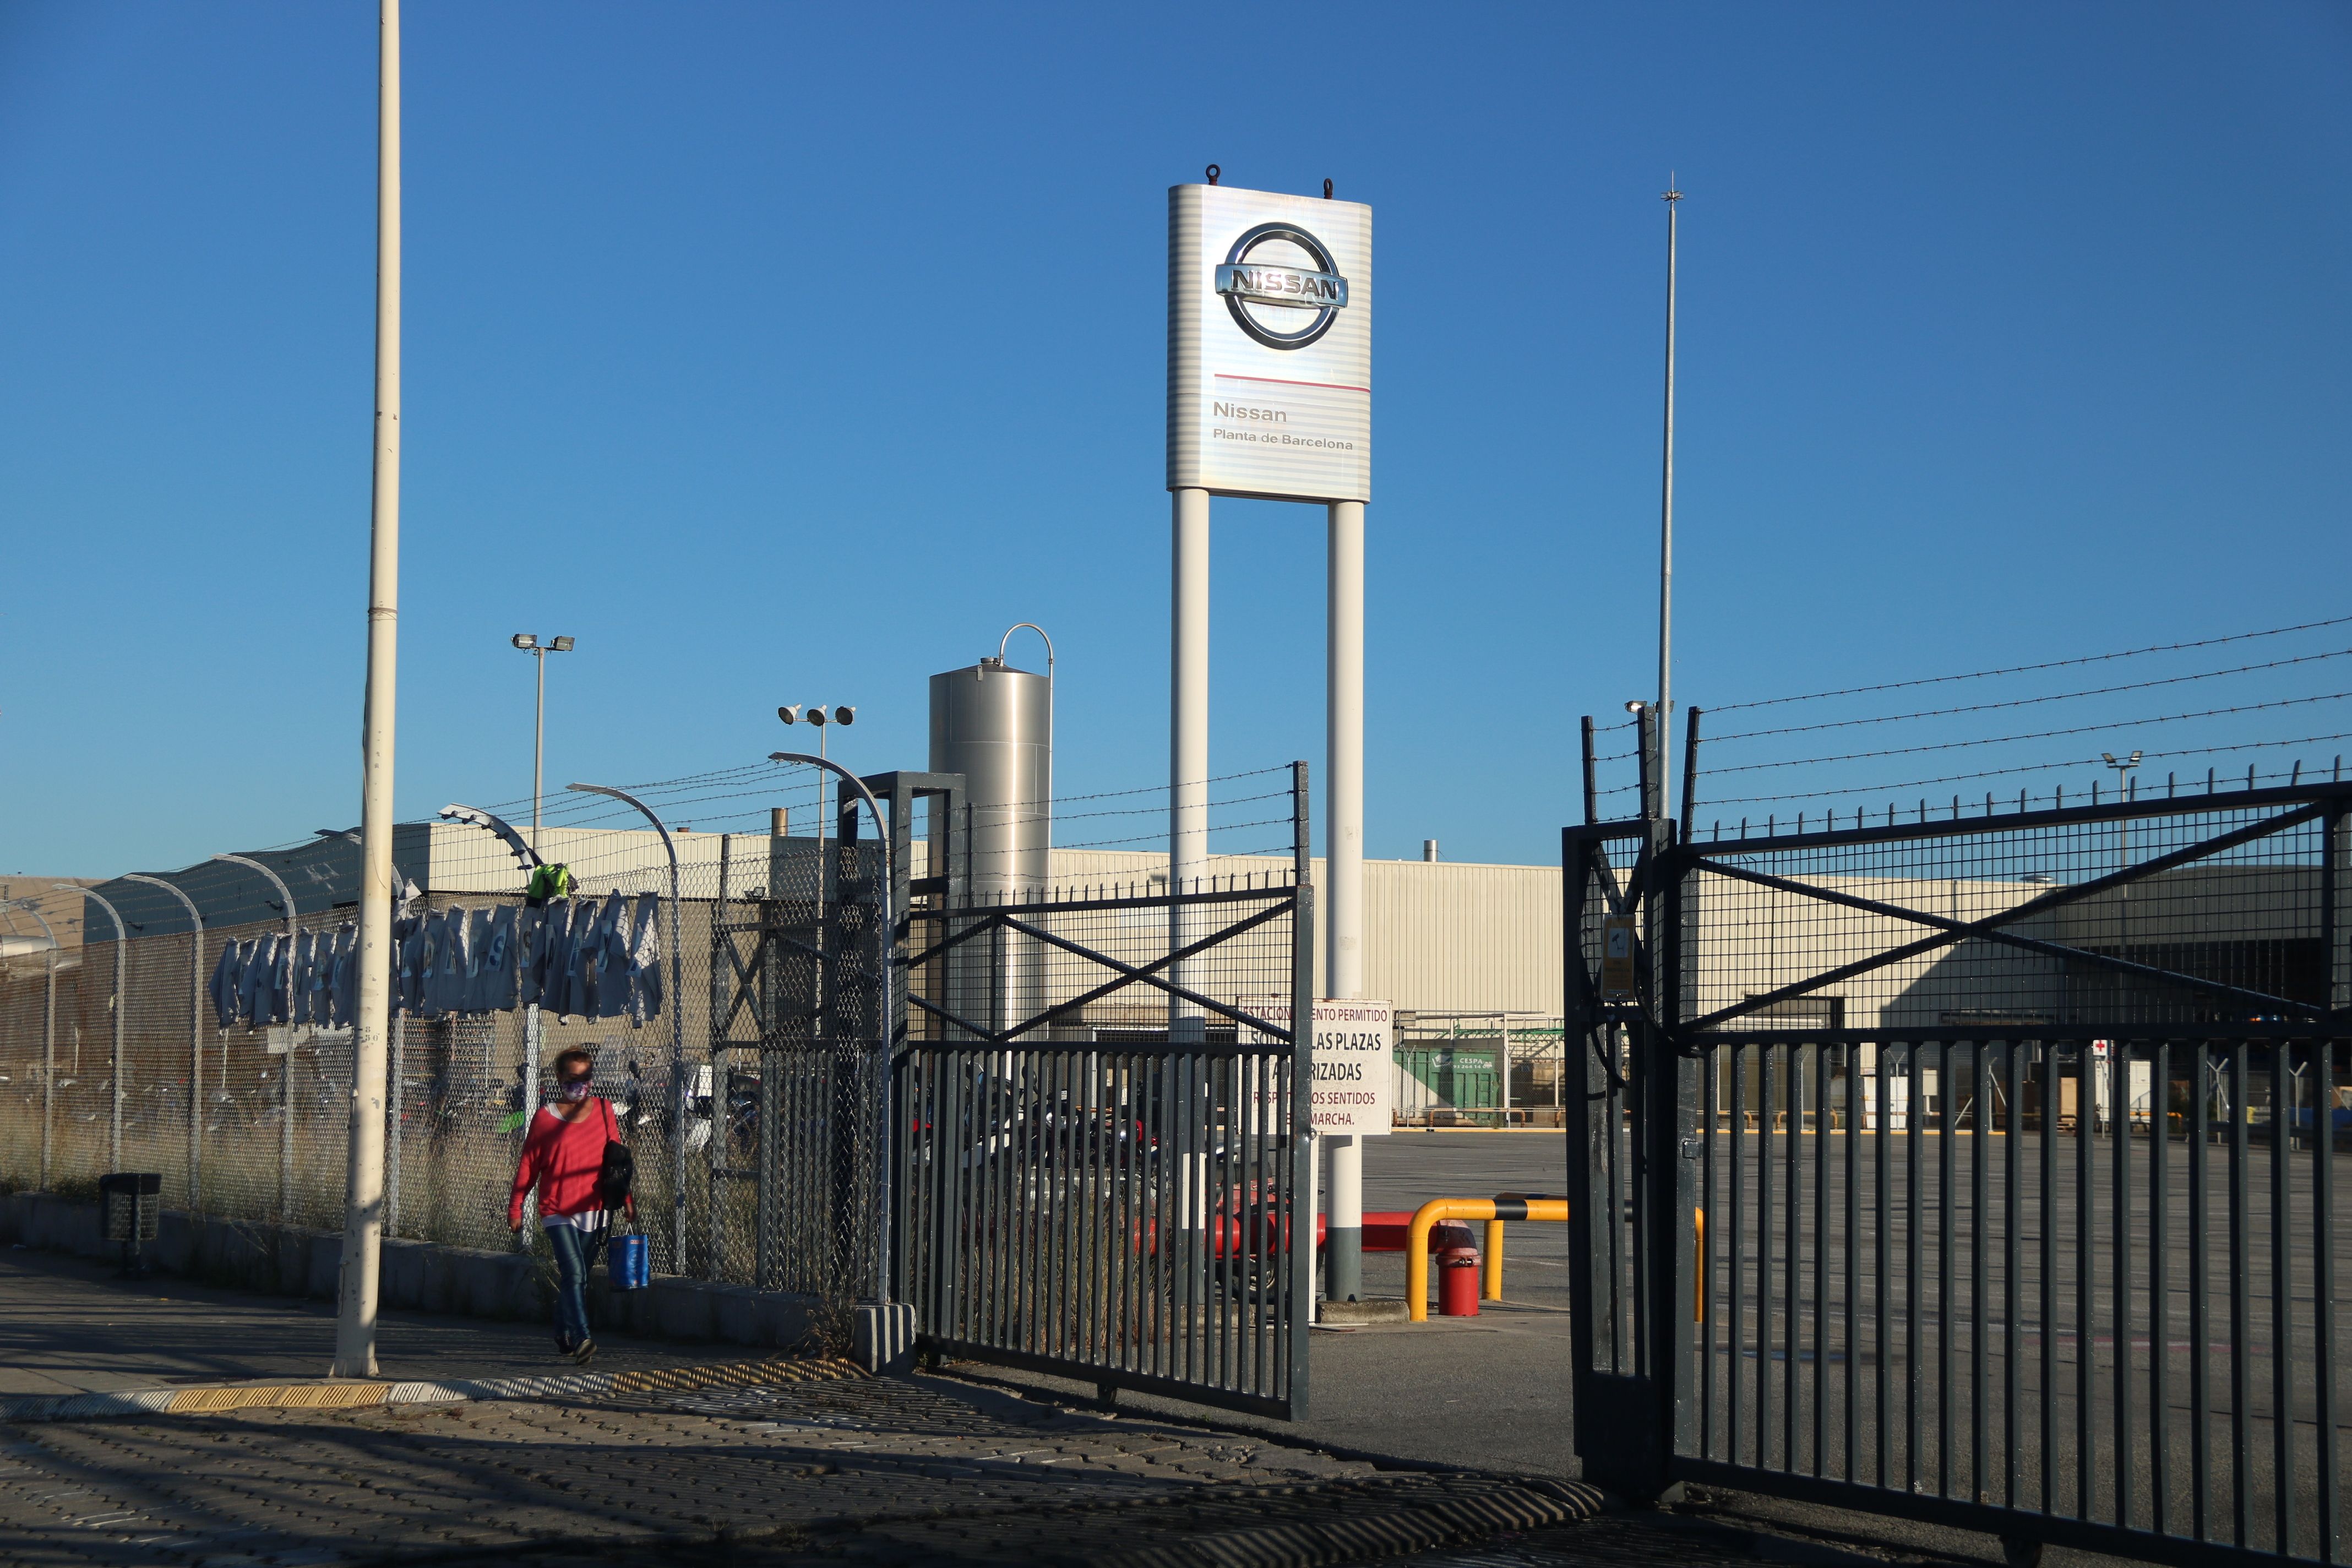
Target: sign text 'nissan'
[[1270, 344]]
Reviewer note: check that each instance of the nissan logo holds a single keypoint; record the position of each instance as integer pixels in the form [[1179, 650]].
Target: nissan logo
[[1250, 289]]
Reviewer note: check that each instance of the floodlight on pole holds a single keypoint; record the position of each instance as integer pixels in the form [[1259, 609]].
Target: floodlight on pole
[[822, 718], [529, 642]]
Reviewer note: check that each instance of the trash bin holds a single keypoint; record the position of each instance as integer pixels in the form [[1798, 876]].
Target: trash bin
[[132, 1205]]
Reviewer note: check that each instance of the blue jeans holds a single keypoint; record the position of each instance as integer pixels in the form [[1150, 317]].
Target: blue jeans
[[575, 1252]]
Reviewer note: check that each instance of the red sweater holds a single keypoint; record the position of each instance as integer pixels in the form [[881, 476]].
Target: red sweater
[[562, 1159]]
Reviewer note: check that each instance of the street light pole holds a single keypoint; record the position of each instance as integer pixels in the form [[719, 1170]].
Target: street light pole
[[529, 642], [195, 1034]]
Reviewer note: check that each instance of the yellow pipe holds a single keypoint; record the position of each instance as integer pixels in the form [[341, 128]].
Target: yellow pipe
[[1416, 1247], [1698, 1296]]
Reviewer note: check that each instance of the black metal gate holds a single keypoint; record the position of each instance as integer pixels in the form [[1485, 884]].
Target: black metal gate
[[1102, 1163], [1979, 1168]]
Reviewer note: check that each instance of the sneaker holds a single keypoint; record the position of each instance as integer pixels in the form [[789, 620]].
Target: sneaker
[[585, 1351]]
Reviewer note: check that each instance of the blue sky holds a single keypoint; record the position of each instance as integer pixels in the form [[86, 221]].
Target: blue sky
[[787, 354]]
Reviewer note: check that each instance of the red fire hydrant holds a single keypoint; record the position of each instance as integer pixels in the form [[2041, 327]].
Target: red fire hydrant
[[1458, 1270]]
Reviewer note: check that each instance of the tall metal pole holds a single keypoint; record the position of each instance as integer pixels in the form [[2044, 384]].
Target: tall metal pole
[[114, 1071], [1666, 507], [1343, 848], [195, 1034], [891, 1009], [538, 746], [1188, 746], [363, 1176]]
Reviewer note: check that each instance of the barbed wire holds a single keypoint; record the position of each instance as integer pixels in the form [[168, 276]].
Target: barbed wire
[[2012, 772], [2036, 735], [2019, 701], [2027, 668]]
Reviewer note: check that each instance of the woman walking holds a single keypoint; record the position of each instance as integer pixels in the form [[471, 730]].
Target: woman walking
[[563, 1156]]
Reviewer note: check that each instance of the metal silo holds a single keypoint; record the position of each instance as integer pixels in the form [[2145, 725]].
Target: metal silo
[[994, 725]]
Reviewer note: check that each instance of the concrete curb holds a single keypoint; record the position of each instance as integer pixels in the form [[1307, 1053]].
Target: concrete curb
[[327, 1394]]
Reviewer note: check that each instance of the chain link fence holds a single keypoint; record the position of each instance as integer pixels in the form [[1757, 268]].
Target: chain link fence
[[249, 1121]]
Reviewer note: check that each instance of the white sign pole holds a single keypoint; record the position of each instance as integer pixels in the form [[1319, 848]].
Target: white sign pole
[[1188, 749], [1343, 890]]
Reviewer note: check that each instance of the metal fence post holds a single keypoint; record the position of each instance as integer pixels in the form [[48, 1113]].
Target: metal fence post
[[195, 1033], [114, 1069], [49, 1035], [286, 1067], [395, 1110], [1299, 1216], [49, 1058], [680, 1087]]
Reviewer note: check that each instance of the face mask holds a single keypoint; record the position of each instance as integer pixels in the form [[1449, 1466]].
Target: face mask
[[577, 1090]]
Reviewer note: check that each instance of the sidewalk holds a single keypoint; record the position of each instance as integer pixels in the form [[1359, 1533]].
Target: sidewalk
[[696, 1455], [71, 1326]]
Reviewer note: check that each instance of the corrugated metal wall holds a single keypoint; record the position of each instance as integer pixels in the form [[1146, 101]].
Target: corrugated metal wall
[[1444, 936]]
